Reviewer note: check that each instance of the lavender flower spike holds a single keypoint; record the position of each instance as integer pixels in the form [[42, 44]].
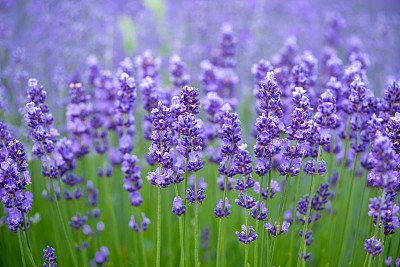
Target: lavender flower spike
[[49, 257], [246, 237]]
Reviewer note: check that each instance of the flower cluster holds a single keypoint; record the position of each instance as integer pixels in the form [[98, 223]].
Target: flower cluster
[[143, 226], [49, 257], [78, 111], [40, 120], [101, 257], [179, 76], [276, 230], [14, 177], [246, 236], [161, 150]]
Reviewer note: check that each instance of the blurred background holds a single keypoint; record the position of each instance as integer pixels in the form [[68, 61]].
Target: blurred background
[[51, 39]]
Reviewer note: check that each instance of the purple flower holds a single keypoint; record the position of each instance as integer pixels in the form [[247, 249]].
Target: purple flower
[[373, 246], [392, 98], [78, 111], [246, 202], [177, 207], [389, 262], [144, 225], [101, 257], [192, 197], [260, 213], [49, 257], [276, 230], [77, 221], [222, 209], [264, 193], [179, 76], [246, 236]]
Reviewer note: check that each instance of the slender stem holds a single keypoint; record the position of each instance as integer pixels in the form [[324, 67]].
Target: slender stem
[[21, 248], [283, 198], [354, 250], [143, 251], [294, 220], [338, 258], [221, 225], [111, 209], [182, 258], [257, 223], [281, 208], [196, 224], [29, 251], [268, 201], [303, 246], [378, 222], [219, 243], [59, 211], [247, 230], [380, 258], [303, 239], [158, 227], [262, 246], [332, 156]]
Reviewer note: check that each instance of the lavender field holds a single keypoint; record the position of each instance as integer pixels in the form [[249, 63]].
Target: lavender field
[[199, 133]]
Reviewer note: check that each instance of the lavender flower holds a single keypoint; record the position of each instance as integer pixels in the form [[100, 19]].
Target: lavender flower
[[179, 76], [277, 230], [101, 257], [261, 213], [177, 208], [373, 246], [143, 226], [14, 177], [246, 236], [78, 111], [222, 213], [389, 262], [77, 221], [49, 257]]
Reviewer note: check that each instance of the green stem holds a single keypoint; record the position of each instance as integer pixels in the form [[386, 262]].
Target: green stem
[[303, 241], [196, 225], [303, 246], [268, 201], [59, 211], [262, 246], [30, 256], [380, 259], [281, 208], [110, 203], [182, 258], [219, 243], [283, 198], [21, 248], [221, 225], [158, 227], [143, 251], [247, 230], [294, 220], [257, 223], [338, 258], [378, 222], [354, 250]]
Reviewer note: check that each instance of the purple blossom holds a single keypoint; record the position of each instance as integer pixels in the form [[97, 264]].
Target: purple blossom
[[101, 256], [49, 257], [246, 236], [177, 208], [143, 226], [222, 209], [276, 230], [373, 246]]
